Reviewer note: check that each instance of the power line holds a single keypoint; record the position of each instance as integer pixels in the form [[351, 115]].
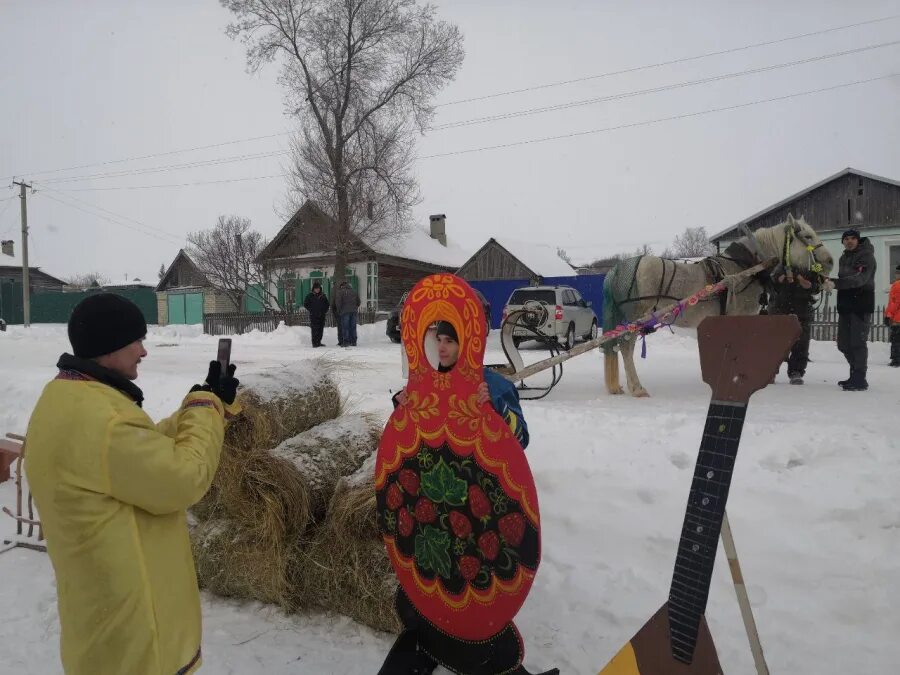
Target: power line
[[170, 185], [169, 167], [658, 120], [544, 139], [115, 222], [490, 96], [462, 123], [159, 154], [667, 63], [119, 216], [653, 90]]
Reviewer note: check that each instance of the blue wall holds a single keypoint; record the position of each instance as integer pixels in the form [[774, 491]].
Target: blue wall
[[498, 291]]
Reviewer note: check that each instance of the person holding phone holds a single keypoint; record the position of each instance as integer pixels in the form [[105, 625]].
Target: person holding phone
[[112, 488]]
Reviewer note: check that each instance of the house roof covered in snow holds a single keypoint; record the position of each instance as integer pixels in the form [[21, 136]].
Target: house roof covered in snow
[[418, 245], [542, 259], [9, 262], [306, 228]]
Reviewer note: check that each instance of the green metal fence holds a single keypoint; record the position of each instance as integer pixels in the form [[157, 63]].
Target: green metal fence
[[56, 306]]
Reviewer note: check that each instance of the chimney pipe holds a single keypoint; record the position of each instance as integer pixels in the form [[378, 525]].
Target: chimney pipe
[[439, 228], [7, 247]]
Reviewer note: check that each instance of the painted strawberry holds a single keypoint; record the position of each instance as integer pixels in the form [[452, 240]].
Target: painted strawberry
[[478, 502], [489, 544], [512, 528], [394, 497], [425, 512], [460, 524], [405, 522], [409, 480], [469, 566]]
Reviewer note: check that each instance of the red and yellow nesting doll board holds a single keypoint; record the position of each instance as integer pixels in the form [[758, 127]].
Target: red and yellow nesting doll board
[[457, 506]]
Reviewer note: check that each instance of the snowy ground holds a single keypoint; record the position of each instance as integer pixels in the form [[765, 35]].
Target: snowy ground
[[815, 508]]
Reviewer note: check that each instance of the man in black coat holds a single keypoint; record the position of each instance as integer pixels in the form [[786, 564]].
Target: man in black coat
[[855, 305], [317, 305], [794, 293]]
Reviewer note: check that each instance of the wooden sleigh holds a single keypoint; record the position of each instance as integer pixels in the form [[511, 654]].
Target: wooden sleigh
[[14, 446]]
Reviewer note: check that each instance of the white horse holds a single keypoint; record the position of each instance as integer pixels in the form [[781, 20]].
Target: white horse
[[638, 286]]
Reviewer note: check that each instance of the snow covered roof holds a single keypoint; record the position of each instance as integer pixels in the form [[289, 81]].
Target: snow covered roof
[[418, 245], [542, 259], [127, 282]]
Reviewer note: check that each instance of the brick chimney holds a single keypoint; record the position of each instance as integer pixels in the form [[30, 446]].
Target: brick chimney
[[7, 247], [439, 228]]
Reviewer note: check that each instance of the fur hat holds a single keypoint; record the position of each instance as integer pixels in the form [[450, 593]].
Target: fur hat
[[318, 285], [850, 233], [104, 323], [446, 328]]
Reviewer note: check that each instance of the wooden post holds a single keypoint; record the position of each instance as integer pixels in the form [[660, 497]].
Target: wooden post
[[743, 599]]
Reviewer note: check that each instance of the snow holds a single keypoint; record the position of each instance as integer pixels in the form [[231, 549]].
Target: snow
[[813, 507], [541, 259], [418, 245]]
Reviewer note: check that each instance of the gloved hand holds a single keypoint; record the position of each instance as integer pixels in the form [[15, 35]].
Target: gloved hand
[[828, 285], [223, 387]]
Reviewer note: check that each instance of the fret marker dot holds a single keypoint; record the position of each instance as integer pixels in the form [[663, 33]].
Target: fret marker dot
[[710, 474], [705, 501], [695, 547], [699, 529], [721, 428]]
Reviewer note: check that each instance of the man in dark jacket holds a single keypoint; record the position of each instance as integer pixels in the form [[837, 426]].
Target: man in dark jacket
[[316, 304], [793, 293], [346, 300], [855, 305]]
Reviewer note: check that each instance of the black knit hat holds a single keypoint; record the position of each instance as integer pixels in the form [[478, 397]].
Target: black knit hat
[[103, 323], [850, 233], [446, 328], [316, 284]]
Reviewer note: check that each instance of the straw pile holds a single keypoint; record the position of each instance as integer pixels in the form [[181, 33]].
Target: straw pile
[[344, 566], [290, 517]]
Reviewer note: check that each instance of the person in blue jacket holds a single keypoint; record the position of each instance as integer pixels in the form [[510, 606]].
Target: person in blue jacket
[[497, 389]]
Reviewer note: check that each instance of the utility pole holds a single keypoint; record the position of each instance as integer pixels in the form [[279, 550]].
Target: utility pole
[[26, 291]]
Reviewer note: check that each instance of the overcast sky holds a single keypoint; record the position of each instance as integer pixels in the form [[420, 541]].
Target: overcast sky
[[97, 81]]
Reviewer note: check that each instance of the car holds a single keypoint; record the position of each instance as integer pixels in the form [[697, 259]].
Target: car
[[555, 313], [393, 323]]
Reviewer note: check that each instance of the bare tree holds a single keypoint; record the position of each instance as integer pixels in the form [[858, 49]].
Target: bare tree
[[88, 280], [162, 271], [227, 256], [693, 243], [360, 77]]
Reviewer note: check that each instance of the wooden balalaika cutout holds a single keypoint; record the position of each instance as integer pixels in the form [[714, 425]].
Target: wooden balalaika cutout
[[738, 356], [457, 506]]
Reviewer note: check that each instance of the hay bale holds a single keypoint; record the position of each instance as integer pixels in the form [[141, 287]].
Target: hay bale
[[352, 510], [283, 401], [350, 576], [233, 561], [344, 567], [328, 451], [252, 487]]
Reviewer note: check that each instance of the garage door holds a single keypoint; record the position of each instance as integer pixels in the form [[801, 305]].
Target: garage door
[[185, 308]]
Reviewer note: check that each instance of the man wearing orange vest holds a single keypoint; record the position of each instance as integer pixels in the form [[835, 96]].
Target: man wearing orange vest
[[892, 318]]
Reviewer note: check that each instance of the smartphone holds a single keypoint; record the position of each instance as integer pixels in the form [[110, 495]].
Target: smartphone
[[224, 355]]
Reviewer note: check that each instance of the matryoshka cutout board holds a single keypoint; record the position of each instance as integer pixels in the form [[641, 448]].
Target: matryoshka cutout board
[[457, 506]]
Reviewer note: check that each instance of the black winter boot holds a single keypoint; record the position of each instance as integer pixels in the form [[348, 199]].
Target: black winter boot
[[857, 381]]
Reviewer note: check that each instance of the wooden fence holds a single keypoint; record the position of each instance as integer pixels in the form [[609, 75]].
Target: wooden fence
[[825, 325], [237, 323]]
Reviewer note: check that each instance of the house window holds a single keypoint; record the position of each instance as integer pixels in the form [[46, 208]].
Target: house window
[[372, 285]]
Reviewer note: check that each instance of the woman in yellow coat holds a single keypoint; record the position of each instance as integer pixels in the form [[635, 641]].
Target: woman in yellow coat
[[111, 488]]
